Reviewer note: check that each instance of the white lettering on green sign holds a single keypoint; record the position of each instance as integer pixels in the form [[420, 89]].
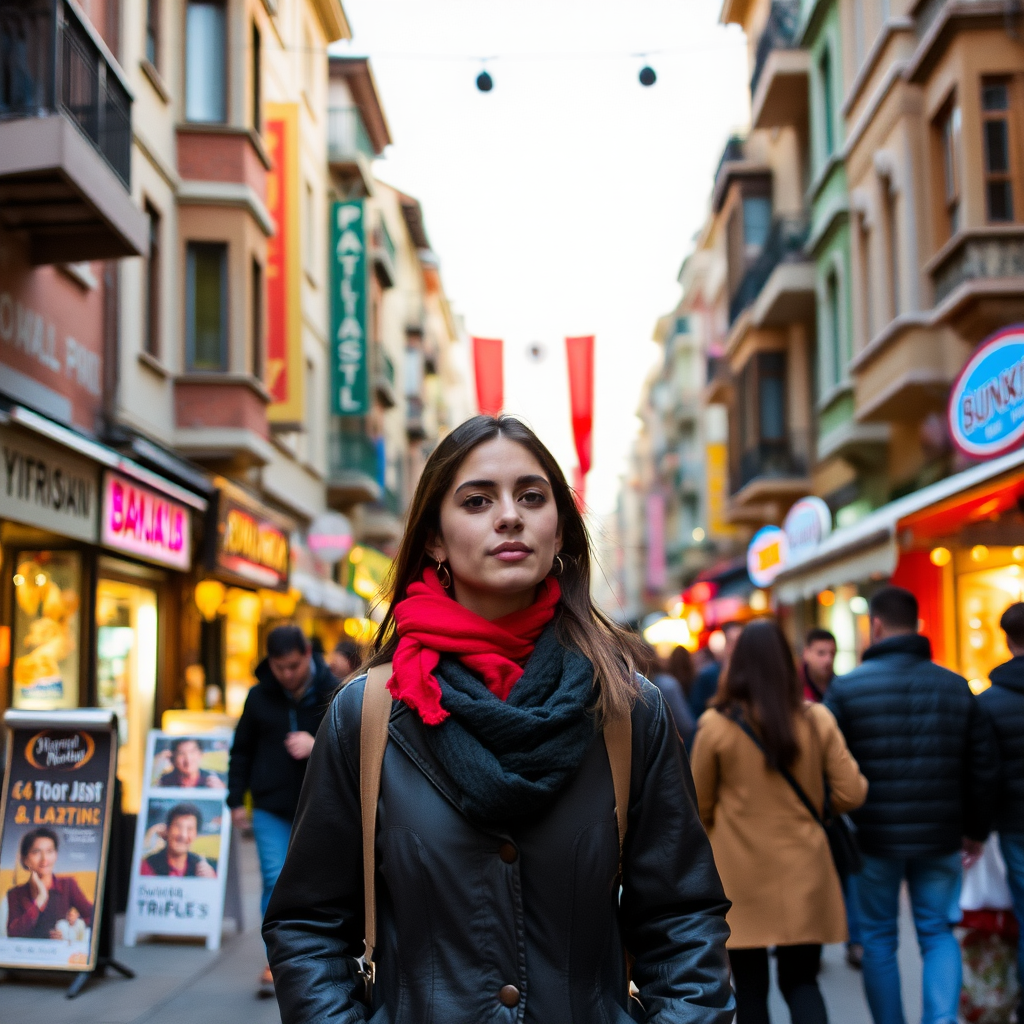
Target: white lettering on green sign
[[350, 392]]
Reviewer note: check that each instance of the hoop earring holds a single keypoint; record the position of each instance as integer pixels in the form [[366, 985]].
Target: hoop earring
[[447, 581], [560, 562]]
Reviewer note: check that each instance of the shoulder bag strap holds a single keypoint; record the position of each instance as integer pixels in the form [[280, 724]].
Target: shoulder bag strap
[[794, 785], [373, 739], [618, 741]]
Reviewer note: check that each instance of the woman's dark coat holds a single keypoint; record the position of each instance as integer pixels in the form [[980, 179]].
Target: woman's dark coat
[[470, 921]]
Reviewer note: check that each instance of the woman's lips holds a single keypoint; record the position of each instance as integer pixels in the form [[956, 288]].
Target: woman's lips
[[512, 556]]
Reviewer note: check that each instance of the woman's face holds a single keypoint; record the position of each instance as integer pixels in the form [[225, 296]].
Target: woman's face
[[500, 529], [41, 857]]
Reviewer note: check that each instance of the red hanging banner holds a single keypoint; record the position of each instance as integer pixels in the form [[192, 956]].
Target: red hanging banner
[[490, 375], [580, 355]]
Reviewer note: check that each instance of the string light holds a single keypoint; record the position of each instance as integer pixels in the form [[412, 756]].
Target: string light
[[484, 82], [647, 76]]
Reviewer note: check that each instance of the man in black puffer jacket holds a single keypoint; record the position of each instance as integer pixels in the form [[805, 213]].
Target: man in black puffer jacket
[[929, 755], [1004, 702], [273, 741]]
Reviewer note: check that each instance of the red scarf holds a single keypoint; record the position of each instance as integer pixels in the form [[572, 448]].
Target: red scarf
[[430, 624]]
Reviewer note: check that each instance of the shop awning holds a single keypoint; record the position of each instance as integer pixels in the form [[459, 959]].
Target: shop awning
[[869, 548], [102, 454]]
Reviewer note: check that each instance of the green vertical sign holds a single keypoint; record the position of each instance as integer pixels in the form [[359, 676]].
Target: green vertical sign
[[350, 375]]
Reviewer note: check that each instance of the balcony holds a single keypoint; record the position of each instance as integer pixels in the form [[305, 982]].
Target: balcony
[[768, 477], [719, 384], [65, 138], [382, 254], [353, 470], [778, 86], [384, 378], [979, 280], [780, 281], [415, 426], [349, 148]]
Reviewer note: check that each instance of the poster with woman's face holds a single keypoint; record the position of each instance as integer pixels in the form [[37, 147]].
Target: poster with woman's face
[[52, 846], [197, 762]]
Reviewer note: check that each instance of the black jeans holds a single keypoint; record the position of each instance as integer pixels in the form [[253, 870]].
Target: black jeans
[[798, 980]]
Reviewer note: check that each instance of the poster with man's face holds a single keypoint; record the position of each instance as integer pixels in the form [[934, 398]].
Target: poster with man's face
[[189, 762], [182, 837], [53, 845]]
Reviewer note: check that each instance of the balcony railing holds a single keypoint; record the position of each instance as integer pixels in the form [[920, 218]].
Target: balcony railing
[[385, 240], [51, 61], [347, 138], [779, 34], [733, 151], [785, 244], [353, 453], [772, 460]]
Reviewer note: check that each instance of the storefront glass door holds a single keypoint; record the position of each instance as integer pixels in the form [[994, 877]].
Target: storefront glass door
[[126, 657]]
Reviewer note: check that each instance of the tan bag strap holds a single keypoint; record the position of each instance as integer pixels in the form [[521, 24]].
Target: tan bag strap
[[618, 741], [373, 739]]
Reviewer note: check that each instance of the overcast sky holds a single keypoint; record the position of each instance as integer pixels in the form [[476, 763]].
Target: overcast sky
[[563, 201]]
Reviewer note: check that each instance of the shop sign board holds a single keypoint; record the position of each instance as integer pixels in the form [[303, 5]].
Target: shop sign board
[[251, 543], [141, 522], [767, 555], [182, 839], [986, 404], [48, 486], [285, 360], [368, 571], [54, 834], [807, 524], [350, 372], [330, 537]]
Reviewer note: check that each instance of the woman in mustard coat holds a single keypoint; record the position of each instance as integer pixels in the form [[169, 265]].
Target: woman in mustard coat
[[773, 856]]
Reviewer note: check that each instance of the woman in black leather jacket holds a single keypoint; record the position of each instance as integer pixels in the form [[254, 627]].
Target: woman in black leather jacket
[[497, 850]]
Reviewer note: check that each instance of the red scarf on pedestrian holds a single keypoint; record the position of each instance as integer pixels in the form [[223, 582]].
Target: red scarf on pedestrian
[[430, 623]]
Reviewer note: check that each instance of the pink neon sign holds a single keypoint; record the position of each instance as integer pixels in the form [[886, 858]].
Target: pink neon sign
[[142, 522]]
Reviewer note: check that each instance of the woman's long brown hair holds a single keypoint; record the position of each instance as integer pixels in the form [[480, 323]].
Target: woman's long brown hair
[[761, 682], [613, 652]]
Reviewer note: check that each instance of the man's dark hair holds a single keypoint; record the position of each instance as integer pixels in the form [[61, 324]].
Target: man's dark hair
[[1012, 624], [29, 838], [349, 649], [818, 634], [895, 607], [185, 810], [184, 739], [282, 640]]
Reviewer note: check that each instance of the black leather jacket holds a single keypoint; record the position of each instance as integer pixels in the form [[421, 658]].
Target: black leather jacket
[[1004, 703], [463, 914]]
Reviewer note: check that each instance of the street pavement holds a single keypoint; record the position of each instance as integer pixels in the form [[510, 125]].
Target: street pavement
[[179, 983]]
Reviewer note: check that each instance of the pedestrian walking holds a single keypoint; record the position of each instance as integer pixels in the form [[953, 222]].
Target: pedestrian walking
[[817, 666], [757, 745], [705, 686], [344, 659], [1004, 703], [492, 881], [272, 744], [672, 692], [927, 749]]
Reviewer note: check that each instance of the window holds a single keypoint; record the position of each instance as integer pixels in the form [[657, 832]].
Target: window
[[995, 105], [827, 111], [153, 32], [866, 285], [206, 306], [893, 242], [771, 396], [205, 58], [257, 80], [757, 221], [834, 371], [256, 285], [151, 342], [949, 131]]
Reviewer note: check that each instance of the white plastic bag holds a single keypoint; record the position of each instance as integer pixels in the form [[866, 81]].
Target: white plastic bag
[[984, 886]]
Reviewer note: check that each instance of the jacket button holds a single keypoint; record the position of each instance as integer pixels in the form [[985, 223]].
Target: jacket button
[[509, 854], [509, 995]]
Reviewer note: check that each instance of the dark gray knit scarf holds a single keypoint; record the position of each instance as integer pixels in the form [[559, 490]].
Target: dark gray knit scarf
[[510, 759]]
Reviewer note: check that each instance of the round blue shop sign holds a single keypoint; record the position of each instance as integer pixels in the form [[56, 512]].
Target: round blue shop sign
[[986, 405]]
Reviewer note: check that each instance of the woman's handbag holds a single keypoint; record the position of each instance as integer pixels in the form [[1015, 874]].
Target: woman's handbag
[[839, 829], [373, 740]]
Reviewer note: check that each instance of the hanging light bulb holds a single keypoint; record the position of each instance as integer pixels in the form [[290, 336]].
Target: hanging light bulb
[[484, 82], [647, 75]]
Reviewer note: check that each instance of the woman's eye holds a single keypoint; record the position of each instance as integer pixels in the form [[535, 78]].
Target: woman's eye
[[474, 501], [534, 498]]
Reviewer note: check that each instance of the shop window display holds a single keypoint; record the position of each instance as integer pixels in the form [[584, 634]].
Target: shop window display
[[45, 643], [126, 658], [982, 597]]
